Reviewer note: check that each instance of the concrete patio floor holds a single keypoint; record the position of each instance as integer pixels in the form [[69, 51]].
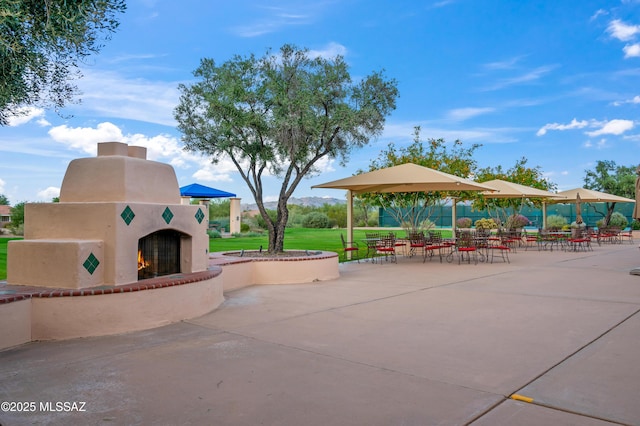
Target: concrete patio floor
[[385, 344]]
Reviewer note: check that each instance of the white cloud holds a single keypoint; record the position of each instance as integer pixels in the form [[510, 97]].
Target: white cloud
[[634, 100], [162, 148], [2, 184], [631, 50], [49, 193], [85, 139], [613, 127], [622, 31], [110, 94], [598, 13], [503, 65], [575, 124], [42, 122], [211, 174], [528, 77], [602, 143], [325, 165], [276, 19], [24, 115], [461, 114], [330, 51]]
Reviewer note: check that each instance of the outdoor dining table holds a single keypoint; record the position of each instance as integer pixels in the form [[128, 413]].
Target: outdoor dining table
[[551, 238]]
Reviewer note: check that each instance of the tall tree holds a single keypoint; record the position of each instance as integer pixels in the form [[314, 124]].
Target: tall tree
[[4, 201], [612, 179], [411, 208], [280, 114], [16, 218], [41, 44], [521, 174]]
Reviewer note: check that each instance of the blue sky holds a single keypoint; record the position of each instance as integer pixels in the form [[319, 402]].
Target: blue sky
[[555, 82]]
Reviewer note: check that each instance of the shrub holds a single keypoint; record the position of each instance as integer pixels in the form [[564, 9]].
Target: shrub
[[17, 230], [213, 233], [517, 221], [635, 225], [464, 222], [261, 222], [244, 227], [617, 220], [556, 222], [220, 222], [247, 234], [316, 220], [485, 223]]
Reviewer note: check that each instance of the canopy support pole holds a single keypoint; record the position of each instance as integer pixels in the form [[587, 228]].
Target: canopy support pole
[[349, 219], [454, 215]]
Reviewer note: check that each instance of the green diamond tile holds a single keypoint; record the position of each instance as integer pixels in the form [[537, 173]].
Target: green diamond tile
[[167, 215], [91, 263], [127, 215], [199, 215]]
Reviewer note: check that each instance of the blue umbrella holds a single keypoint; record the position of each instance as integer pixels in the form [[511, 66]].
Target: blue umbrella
[[196, 190]]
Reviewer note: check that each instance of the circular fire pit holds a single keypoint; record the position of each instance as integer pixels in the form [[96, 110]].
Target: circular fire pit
[[249, 267]]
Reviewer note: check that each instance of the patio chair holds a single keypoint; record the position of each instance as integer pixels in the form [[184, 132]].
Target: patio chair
[[531, 240], [496, 246], [350, 247], [579, 240], [626, 234], [465, 247], [510, 238], [387, 247], [417, 244], [609, 235], [434, 243]]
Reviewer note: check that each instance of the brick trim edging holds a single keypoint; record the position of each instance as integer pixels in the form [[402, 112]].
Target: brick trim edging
[[14, 293]]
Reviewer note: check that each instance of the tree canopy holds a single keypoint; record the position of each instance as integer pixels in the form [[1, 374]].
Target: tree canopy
[[608, 177], [521, 174], [41, 45], [280, 114], [411, 208]]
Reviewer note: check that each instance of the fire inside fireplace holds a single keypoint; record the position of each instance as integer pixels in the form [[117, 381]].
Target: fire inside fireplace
[[159, 254]]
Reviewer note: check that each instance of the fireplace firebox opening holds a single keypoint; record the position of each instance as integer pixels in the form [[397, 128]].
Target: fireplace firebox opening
[[159, 254]]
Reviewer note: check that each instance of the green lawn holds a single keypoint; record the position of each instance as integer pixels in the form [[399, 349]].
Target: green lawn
[[3, 257], [295, 239], [298, 238]]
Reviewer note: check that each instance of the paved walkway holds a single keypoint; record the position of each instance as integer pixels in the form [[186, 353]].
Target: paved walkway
[[386, 344]]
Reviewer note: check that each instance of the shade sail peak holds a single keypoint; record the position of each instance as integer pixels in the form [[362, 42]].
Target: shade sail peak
[[407, 177], [508, 189], [591, 196]]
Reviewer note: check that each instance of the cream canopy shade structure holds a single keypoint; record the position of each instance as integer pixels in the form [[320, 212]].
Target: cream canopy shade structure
[[508, 189], [407, 177], [583, 195], [591, 196]]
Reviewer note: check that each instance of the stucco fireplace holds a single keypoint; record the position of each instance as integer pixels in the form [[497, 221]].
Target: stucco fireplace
[[119, 220]]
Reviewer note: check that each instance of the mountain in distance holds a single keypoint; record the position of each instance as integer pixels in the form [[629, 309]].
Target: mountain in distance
[[302, 201]]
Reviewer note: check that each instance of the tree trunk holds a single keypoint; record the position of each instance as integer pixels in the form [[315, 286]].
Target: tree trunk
[[607, 218], [276, 232]]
